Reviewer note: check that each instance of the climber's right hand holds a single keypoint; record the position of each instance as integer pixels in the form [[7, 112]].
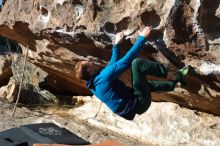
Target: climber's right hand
[[119, 38], [146, 31]]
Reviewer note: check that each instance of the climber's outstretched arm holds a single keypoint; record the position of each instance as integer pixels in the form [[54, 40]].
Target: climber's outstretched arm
[[116, 48], [113, 71]]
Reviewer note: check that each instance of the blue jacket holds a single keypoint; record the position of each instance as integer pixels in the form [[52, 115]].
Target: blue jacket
[[106, 86]]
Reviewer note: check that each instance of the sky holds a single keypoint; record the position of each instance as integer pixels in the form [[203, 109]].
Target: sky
[[0, 2]]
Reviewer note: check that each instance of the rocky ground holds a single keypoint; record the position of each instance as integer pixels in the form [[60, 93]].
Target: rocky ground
[[61, 118]]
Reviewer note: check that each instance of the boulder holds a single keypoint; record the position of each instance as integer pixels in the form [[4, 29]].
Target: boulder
[[164, 124], [30, 94], [5, 70], [61, 33], [9, 92]]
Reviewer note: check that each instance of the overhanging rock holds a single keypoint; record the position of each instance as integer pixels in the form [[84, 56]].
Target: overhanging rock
[[60, 33]]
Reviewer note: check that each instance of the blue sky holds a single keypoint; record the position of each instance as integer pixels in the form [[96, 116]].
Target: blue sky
[[0, 2]]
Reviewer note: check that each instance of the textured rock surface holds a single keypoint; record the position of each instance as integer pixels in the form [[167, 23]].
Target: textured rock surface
[[165, 124], [29, 95], [9, 92], [60, 33], [10, 77], [5, 70], [58, 116]]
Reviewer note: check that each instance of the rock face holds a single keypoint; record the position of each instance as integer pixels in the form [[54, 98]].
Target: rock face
[[165, 124], [10, 78], [59, 33], [5, 70], [24, 116]]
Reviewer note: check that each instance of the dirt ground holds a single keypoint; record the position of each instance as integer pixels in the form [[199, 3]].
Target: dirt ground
[[58, 116]]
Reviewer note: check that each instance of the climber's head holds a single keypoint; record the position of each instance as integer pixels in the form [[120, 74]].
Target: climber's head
[[85, 70]]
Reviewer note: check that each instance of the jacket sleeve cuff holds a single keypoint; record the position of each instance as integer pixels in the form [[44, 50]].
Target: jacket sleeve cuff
[[141, 39], [116, 46]]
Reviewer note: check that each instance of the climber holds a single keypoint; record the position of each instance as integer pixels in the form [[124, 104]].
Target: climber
[[121, 99]]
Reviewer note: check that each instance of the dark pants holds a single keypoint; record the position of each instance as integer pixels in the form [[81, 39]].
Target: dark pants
[[143, 87]]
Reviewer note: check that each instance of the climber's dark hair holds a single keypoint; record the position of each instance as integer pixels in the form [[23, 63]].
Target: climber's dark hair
[[81, 71]]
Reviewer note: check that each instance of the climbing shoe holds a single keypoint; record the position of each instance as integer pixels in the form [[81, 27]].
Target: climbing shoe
[[181, 74]]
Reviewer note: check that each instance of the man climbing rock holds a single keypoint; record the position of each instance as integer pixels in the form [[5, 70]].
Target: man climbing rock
[[121, 99]]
